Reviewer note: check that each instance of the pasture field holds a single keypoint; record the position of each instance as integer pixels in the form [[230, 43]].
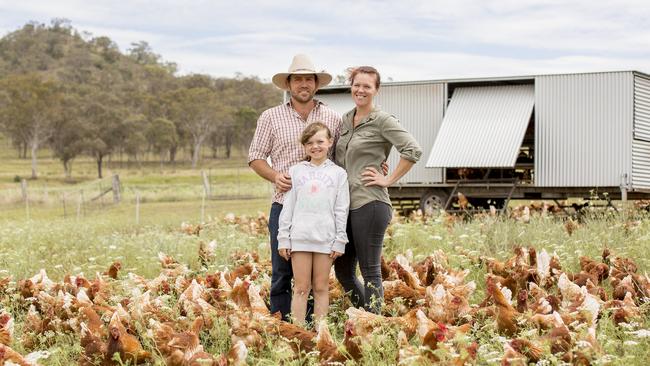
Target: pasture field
[[91, 244], [85, 242]]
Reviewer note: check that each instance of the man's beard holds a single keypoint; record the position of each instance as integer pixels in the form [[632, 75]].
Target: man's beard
[[298, 97]]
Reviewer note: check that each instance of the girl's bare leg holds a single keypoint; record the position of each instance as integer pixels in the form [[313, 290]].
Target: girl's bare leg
[[322, 263], [301, 262]]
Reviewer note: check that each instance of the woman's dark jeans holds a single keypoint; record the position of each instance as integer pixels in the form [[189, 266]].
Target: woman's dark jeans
[[366, 228]]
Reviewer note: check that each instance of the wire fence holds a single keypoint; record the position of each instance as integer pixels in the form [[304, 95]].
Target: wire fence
[[99, 195]]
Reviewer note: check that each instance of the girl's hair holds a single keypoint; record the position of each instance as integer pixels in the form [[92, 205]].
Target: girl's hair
[[365, 70], [310, 131]]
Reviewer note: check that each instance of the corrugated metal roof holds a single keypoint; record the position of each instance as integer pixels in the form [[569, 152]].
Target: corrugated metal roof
[[483, 127], [332, 88]]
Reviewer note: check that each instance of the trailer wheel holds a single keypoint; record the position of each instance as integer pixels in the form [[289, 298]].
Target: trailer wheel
[[433, 201]]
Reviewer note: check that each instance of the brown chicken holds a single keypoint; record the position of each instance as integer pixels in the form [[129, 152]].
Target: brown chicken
[[6, 328], [328, 350], [506, 314], [236, 356], [113, 270], [246, 269], [399, 289], [463, 202], [532, 352], [387, 273], [94, 349], [365, 323], [8, 354], [123, 343]]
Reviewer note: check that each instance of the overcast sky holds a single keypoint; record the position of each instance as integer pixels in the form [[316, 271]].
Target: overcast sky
[[405, 40]]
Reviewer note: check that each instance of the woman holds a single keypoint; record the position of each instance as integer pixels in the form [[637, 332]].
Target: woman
[[367, 136]]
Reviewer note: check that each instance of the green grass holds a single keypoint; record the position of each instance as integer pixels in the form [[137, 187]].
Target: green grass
[[91, 243], [88, 238]]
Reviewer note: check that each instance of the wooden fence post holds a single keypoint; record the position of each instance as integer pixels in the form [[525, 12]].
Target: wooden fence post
[[23, 188], [116, 189], [206, 185], [137, 208], [65, 212], [79, 204]]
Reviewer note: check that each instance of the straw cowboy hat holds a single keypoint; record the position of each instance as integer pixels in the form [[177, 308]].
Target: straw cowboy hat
[[301, 64]]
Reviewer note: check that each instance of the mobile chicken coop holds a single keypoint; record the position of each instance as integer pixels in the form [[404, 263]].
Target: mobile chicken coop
[[525, 137]]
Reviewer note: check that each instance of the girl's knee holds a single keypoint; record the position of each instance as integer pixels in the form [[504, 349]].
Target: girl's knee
[[321, 288], [301, 290]]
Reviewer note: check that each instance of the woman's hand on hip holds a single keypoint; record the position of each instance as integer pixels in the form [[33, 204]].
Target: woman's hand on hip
[[335, 255], [285, 253], [371, 177]]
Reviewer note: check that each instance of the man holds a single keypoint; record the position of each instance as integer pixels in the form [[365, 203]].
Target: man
[[277, 134]]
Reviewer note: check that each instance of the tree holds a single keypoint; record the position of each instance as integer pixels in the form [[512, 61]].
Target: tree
[[104, 122], [162, 136], [135, 129], [195, 111], [69, 138], [31, 109]]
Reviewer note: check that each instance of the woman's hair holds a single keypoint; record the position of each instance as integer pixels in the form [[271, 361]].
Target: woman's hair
[[310, 131], [365, 70]]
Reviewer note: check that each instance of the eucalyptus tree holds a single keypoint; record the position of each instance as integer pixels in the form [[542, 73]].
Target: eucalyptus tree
[[70, 131], [31, 108], [162, 135], [196, 112]]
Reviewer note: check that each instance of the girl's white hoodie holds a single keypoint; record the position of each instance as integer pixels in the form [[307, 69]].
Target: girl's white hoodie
[[315, 211]]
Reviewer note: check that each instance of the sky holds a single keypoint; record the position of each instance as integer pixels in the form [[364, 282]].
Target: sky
[[405, 40]]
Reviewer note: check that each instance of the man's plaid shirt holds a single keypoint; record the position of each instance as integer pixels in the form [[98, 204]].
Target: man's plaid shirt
[[278, 136]]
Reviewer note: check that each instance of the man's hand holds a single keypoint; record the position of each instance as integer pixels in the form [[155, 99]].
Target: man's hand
[[335, 255], [285, 253], [282, 182]]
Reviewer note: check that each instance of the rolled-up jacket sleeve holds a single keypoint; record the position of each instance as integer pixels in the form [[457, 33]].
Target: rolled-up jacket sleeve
[[262, 143], [403, 141], [341, 207]]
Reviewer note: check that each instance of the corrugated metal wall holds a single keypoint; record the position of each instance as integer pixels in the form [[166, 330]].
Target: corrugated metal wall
[[420, 109], [641, 108], [641, 143], [640, 164], [340, 101], [583, 129]]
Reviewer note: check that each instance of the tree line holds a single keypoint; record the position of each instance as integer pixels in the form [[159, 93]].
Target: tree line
[[77, 94]]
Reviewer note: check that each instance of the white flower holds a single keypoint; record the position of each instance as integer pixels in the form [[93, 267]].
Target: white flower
[[630, 343], [641, 333]]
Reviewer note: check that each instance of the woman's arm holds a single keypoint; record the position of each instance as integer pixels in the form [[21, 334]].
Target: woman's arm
[[409, 149], [371, 177]]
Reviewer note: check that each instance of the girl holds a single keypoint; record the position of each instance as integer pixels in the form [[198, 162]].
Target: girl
[[367, 136], [312, 223]]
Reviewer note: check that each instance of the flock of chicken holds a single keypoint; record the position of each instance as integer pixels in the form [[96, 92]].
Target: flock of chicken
[[120, 318]]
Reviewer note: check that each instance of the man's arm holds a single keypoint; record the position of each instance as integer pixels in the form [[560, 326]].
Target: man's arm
[[264, 170]]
